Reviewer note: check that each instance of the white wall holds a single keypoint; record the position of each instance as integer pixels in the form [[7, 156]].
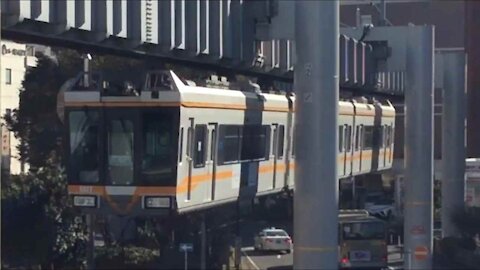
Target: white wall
[[13, 57]]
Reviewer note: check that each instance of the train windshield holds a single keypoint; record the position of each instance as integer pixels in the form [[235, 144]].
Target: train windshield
[[363, 231], [120, 151], [159, 149], [84, 146], [138, 146]]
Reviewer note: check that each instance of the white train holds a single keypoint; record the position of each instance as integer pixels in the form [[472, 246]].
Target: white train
[[176, 147]]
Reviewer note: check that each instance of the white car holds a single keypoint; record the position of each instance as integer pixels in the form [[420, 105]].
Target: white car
[[273, 239]]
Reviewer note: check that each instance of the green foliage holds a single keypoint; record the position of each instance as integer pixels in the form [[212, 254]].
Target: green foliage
[[35, 122], [126, 255], [39, 225]]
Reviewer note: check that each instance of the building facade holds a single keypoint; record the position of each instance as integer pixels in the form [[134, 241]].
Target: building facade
[[15, 60]]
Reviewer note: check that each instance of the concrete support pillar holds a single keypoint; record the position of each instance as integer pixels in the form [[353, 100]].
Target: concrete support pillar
[[1, 136], [419, 147], [453, 139], [398, 195], [316, 105]]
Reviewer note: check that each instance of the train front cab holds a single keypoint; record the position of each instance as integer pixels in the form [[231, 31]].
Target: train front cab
[[122, 150]]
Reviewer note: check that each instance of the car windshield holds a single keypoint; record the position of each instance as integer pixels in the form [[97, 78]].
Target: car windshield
[[363, 231], [276, 233]]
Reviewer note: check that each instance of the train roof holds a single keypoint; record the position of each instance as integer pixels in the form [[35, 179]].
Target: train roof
[[165, 88]]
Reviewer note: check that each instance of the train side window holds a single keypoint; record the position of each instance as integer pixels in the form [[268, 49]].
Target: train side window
[[212, 144], [180, 146], [385, 136], [256, 139], [340, 139], [228, 150], [293, 142], [388, 135], [200, 146], [367, 137], [357, 138], [188, 153], [392, 134], [378, 138], [281, 141], [348, 137]]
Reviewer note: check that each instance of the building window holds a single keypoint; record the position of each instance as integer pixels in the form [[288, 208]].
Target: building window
[[8, 76]]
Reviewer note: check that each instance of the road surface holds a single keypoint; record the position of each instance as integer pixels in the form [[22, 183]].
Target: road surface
[[257, 260]]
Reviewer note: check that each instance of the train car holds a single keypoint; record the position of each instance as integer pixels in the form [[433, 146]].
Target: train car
[[175, 147]]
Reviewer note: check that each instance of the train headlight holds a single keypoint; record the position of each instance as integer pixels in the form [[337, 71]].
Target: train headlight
[[85, 201], [157, 202]]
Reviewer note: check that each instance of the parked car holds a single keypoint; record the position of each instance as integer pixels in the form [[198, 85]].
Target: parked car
[[272, 239]]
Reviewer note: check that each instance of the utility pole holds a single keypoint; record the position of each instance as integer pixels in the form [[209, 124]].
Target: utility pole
[[316, 81]]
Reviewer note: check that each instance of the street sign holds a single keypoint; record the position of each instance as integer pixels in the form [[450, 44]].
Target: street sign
[[186, 247], [421, 253]]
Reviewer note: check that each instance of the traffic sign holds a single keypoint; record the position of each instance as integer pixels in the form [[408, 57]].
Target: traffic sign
[[186, 247], [421, 253], [418, 229]]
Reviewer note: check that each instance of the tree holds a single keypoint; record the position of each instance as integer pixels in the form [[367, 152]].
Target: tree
[[35, 122], [40, 226]]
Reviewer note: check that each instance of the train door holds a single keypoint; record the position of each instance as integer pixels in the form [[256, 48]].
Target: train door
[[348, 143], [391, 135], [189, 157], [341, 151], [384, 144], [278, 152], [212, 159], [275, 154], [360, 147], [200, 151]]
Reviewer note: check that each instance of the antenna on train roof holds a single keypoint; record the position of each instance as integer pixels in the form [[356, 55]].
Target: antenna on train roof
[[360, 100], [216, 81]]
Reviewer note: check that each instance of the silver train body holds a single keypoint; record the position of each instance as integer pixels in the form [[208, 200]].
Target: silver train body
[[177, 147]]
